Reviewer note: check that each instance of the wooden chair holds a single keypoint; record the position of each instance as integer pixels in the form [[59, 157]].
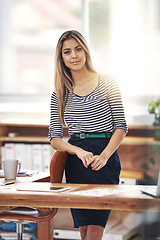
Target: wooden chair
[[22, 215]]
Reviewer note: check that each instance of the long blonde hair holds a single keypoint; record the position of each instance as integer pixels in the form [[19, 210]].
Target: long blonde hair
[[63, 77]]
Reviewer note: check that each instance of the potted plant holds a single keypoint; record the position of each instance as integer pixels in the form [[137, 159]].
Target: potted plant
[[154, 108]]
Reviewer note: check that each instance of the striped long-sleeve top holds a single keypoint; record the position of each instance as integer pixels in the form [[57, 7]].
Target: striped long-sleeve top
[[100, 111]]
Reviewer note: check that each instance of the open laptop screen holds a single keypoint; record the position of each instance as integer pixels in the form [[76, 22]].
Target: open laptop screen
[[152, 191]]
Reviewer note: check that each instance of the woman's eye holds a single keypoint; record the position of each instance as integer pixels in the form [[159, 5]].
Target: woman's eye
[[66, 52], [78, 49]]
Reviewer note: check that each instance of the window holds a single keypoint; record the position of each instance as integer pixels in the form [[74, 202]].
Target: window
[[29, 34], [123, 36], [125, 40]]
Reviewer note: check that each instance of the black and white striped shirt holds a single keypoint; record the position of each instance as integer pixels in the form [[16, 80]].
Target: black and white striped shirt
[[100, 111]]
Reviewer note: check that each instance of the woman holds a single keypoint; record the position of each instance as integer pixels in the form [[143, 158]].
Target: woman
[[90, 105]]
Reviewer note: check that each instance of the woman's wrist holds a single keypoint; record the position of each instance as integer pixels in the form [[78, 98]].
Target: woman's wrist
[[74, 150], [105, 154]]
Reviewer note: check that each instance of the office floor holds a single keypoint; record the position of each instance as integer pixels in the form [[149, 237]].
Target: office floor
[[121, 224], [127, 225]]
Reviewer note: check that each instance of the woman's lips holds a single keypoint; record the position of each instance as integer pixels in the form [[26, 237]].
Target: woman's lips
[[75, 62]]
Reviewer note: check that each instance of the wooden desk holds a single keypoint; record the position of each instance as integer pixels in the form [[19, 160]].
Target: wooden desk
[[124, 197]]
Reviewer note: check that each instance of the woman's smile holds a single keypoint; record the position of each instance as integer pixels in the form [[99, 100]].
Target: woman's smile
[[75, 62]]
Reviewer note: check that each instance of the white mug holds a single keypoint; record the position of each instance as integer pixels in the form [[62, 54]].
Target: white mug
[[11, 167]]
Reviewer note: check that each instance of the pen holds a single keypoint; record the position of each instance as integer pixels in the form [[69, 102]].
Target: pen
[[9, 183]]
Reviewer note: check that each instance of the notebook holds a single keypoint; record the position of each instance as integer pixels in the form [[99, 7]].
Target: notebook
[[155, 192]]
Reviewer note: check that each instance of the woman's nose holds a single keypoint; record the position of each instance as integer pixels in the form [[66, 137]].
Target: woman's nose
[[74, 55]]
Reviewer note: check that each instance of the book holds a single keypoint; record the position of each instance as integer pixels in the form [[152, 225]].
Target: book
[[47, 152], [9, 151], [37, 157], [2, 153], [28, 157], [19, 152]]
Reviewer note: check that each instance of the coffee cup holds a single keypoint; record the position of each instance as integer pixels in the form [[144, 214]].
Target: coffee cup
[[11, 167]]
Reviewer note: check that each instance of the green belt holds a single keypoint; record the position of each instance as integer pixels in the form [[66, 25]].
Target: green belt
[[96, 135]]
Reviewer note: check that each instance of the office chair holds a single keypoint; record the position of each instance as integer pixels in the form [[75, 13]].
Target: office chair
[[22, 215]]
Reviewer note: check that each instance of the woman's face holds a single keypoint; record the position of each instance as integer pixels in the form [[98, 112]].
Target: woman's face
[[73, 55]]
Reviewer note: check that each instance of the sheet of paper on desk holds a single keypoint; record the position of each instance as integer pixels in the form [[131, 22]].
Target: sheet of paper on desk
[[97, 192], [3, 187]]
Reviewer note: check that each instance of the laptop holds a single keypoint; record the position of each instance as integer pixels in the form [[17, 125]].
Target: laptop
[[154, 192]]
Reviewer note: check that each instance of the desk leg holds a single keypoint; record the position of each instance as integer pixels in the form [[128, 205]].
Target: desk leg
[[45, 230]]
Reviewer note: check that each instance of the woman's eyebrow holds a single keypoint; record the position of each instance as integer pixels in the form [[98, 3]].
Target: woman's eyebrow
[[69, 48], [78, 46], [66, 49]]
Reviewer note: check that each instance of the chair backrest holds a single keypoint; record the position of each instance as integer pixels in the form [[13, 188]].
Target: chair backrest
[[57, 166]]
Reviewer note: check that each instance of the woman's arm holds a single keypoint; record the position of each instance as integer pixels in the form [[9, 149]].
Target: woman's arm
[[59, 144], [119, 123], [98, 161]]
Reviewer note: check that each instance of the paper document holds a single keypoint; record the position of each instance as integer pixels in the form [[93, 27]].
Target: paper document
[[97, 192]]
